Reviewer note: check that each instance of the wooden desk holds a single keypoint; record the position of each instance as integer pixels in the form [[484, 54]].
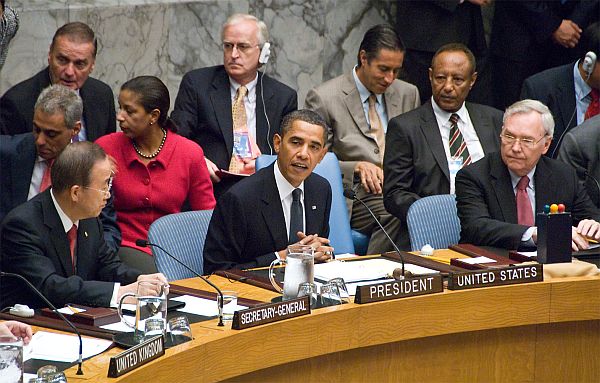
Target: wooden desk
[[542, 332]]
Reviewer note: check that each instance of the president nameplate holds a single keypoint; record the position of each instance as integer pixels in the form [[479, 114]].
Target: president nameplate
[[511, 275], [136, 356], [409, 287], [270, 312]]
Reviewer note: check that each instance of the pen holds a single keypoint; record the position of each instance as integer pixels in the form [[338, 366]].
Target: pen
[[590, 240], [74, 309]]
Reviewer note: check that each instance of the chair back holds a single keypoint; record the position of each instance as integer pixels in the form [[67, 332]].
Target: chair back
[[433, 220], [339, 224], [182, 235]]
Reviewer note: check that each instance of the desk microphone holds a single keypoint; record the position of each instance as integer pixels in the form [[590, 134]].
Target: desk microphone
[[39, 294], [144, 243], [351, 194], [583, 173]]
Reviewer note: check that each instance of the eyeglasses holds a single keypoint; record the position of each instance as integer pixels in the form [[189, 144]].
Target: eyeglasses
[[509, 139], [105, 191], [243, 48]]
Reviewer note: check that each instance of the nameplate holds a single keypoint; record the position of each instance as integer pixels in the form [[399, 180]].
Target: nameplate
[[409, 287], [136, 356], [496, 277], [270, 312]]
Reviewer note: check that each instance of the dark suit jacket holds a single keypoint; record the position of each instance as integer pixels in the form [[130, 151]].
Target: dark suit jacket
[[581, 149], [203, 114], [555, 88], [415, 163], [17, 160], [34, 244], [445, 22], [486, 203], [522, 29], [248, 224], [17, 104]]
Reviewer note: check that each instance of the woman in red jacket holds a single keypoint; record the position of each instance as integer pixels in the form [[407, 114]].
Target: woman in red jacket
[[158, 171]]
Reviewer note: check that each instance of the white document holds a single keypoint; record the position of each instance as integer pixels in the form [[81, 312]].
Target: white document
[[529, 254], [62, 348], [477, 260], [120, 326], [201, 306], [367, 270]]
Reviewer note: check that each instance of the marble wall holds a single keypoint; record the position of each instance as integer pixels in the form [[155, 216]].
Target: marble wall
[[312, 40]]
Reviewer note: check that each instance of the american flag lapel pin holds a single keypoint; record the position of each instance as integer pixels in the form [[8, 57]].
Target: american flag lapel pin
[[314, 207]]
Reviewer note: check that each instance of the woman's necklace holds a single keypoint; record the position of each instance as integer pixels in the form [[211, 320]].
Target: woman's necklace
[[151, 156]]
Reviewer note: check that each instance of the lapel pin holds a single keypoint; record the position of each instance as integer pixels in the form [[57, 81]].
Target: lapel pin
[[314, 207], [85, 234]]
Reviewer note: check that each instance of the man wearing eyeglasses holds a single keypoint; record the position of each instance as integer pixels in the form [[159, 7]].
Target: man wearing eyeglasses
[[26, 159], [497, 197], [233, 110], [55, 239]]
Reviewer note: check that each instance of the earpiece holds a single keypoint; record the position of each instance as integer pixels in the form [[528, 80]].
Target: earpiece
[[265, 53], [589, 62]]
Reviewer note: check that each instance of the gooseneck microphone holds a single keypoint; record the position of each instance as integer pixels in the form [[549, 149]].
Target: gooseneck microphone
[[351, 194], [583, 173], [144, 243], [39, 294]]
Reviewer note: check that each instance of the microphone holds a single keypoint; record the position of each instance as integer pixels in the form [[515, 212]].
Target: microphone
[[39, 294], [351, 194], [583, 173], [144, 243]]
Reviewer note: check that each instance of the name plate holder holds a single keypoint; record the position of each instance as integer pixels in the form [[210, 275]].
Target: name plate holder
[[136, 356], [403, 288], [511, 275], [270, 312]]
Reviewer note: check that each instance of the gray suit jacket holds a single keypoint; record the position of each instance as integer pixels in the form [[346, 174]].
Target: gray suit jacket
[[581, 149], [338, 102], [415, 163]]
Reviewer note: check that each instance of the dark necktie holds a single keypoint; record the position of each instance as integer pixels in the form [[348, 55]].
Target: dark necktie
[[524, 212], [458, 146], [594, 107], [72, 236], [296, 217]]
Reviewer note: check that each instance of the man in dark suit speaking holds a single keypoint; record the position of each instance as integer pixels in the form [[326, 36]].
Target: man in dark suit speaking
[[421, 144], [233, 110], [260, 216], [55, 239], [71, 60], [497, 197]]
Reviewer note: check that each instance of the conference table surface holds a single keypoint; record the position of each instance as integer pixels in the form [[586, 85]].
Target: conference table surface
[[544, 332]]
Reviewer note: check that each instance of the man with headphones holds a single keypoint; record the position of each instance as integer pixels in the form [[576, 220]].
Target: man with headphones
[[570, 91], [233, 110]]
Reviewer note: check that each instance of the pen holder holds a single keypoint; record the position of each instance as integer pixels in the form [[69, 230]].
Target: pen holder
[[554, 237]]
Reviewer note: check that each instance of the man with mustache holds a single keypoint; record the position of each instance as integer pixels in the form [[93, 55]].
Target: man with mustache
[[423, 143], [71, 60], [357, 107]]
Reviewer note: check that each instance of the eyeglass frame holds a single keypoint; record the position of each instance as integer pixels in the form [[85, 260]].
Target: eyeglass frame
[[526, 142], [243, 48], [105, 192]]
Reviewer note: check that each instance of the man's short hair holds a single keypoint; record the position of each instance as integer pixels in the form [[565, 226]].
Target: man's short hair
[[305, 115], [527, 106], [382, 36], [60, 99], [263, 33], [457, 47], [74, 164], [78, 32], [590, 41]]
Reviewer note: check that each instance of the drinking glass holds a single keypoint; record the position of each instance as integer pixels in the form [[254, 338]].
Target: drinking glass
[[180, 330], [330, 295], [230, 299], [310, 289]]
